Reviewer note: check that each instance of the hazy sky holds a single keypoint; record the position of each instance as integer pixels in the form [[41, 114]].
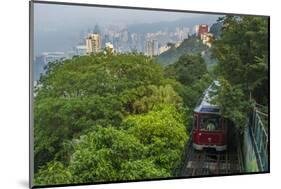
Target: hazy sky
[[55, 24]]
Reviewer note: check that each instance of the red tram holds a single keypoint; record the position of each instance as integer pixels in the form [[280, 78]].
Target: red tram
[[209, 128]]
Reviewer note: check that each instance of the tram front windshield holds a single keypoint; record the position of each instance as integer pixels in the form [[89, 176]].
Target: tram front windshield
[[210, 122]]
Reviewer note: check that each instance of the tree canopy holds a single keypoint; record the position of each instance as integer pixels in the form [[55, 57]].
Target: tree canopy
[[242, 53], [107, 117]]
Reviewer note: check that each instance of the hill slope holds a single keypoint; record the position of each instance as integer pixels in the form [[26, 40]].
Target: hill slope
[[192, 45]]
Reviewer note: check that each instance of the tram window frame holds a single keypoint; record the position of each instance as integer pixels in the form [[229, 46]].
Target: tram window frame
[[218, 126]]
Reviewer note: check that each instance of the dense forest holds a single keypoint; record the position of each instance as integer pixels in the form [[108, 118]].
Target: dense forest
[[110, 117]]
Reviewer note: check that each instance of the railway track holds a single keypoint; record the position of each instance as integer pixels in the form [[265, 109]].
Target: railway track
[[209, 162]]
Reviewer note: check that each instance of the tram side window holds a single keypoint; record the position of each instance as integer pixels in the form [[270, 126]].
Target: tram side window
[[195, 122], [210, 123]]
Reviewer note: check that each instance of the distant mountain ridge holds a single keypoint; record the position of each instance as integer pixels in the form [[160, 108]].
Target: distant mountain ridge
[[169, 25]]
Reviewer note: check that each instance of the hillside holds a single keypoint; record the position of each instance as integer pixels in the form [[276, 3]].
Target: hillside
[[192, 45]]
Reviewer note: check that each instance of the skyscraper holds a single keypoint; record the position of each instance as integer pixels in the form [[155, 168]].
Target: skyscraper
[[151, 47], [93, 43]]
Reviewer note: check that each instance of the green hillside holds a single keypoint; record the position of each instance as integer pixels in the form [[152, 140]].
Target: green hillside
[[192, 45]]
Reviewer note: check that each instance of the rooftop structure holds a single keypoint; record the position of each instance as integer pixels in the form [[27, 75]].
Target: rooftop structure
[[202, 28]]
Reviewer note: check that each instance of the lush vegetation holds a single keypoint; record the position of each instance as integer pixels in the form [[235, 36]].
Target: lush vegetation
[[107, 117], [191, 72], [110, 117], [242, 53]]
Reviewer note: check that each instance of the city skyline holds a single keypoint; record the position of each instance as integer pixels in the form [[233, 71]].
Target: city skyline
[[57, 33]]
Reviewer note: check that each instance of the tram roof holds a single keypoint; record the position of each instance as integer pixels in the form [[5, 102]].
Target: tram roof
[[205, 105]]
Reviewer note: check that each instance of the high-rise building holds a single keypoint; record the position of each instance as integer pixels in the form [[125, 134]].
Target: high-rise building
[[148, 48], [151, 47], [136, 42], [124, 34], [203, 28], [181, 33], [155, 48], [93, 43]]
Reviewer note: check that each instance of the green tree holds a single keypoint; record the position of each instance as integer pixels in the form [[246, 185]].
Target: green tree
[[242, 52], [59, 119], [53, 173], [188, 69], [76, 94], [108, 154], [154, 96], [101, 74], [163, 131], [102, 156], [233, 105], [82, 109]]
